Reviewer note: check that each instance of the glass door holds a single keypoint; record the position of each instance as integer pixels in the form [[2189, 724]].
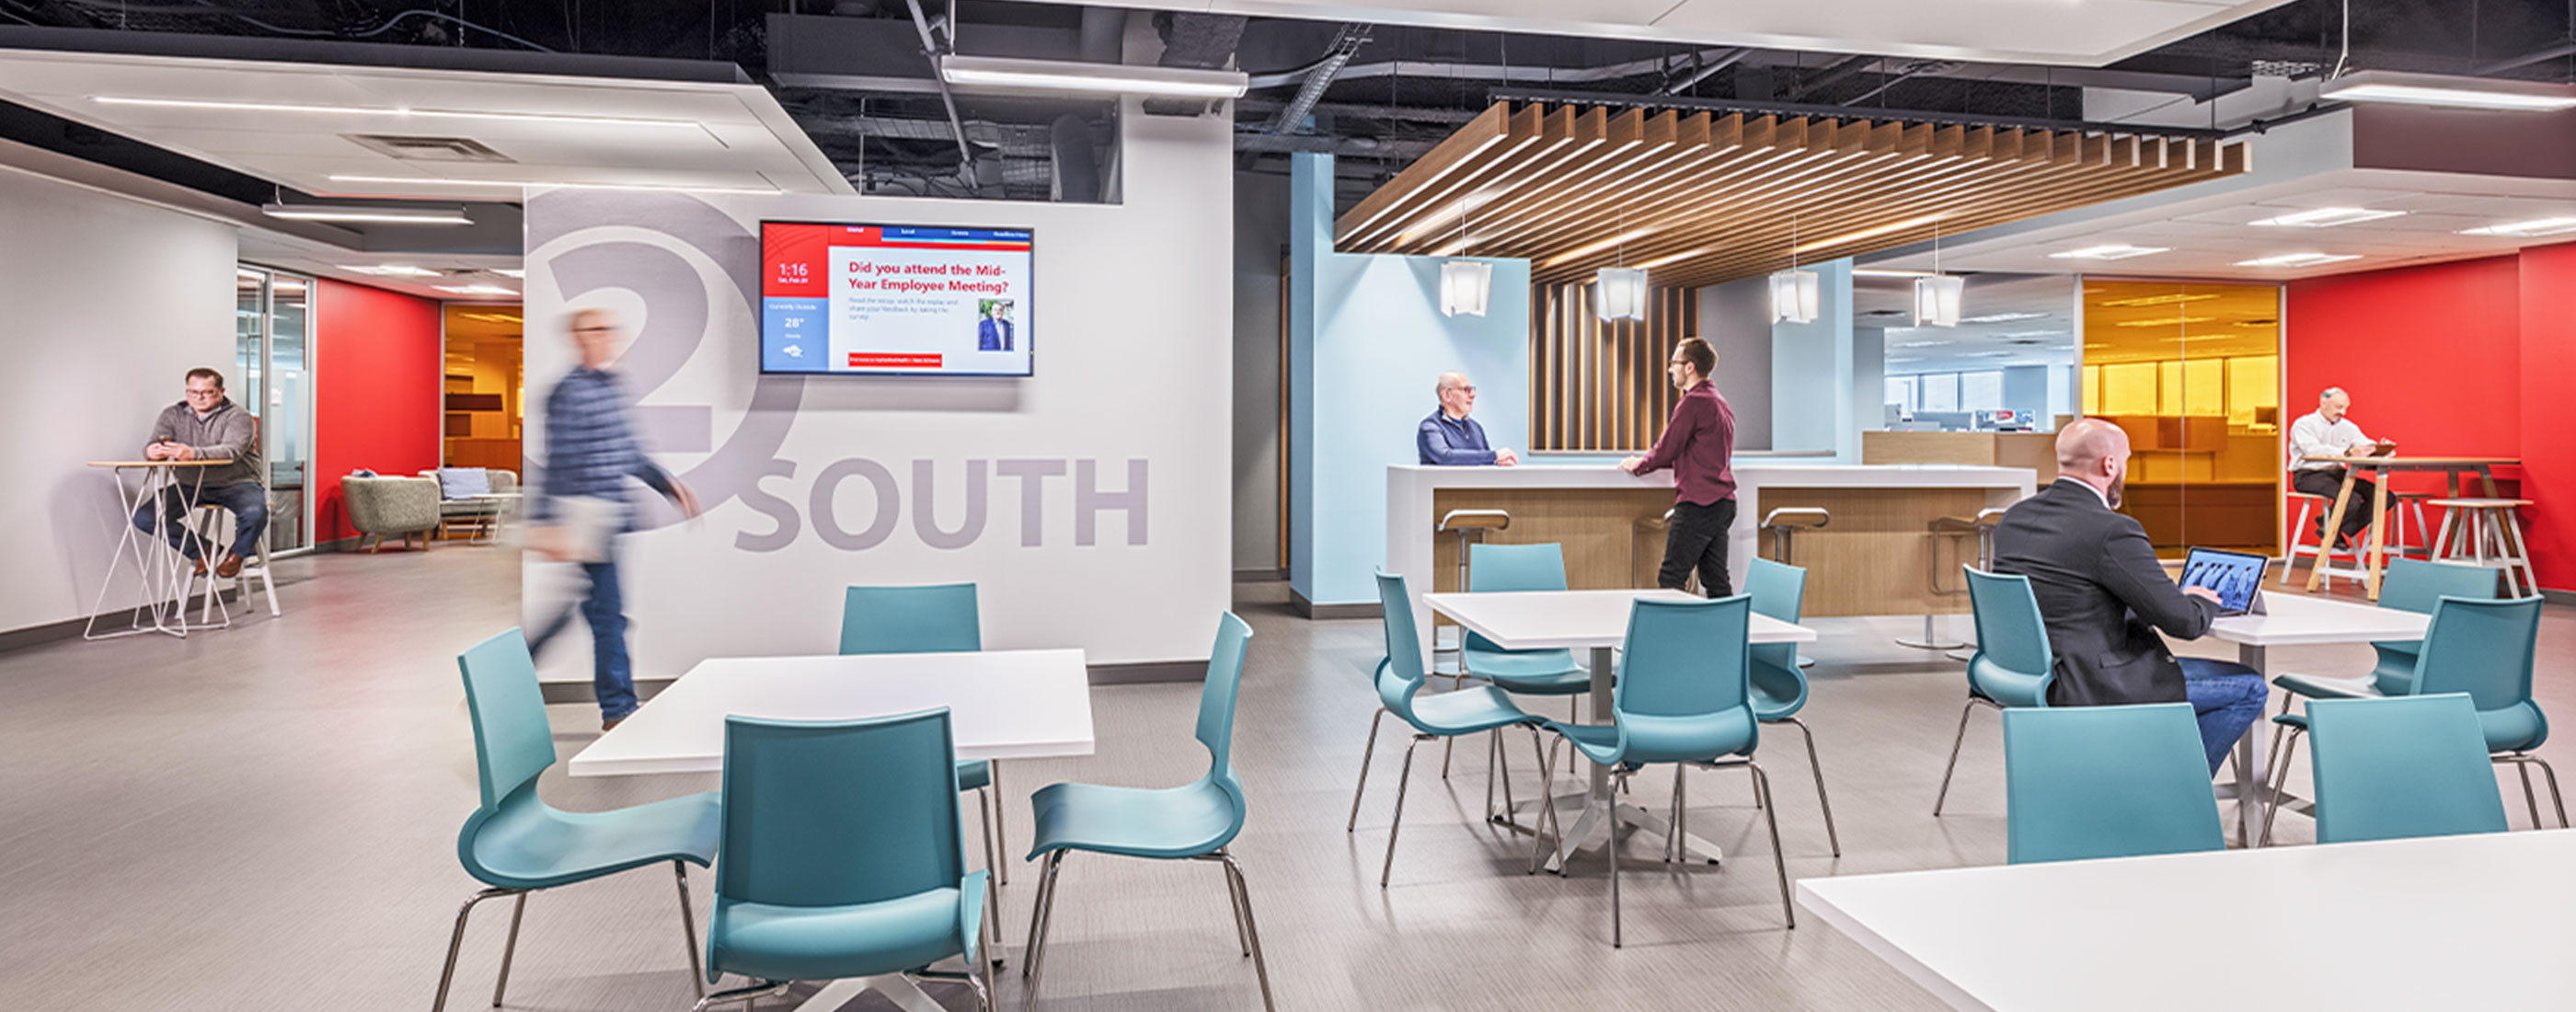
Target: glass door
[[273, 345]]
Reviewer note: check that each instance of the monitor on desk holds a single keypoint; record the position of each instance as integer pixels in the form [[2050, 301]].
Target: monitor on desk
[[2236, 576]]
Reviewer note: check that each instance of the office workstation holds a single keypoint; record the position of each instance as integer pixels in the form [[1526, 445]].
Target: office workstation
[[1720, 509]]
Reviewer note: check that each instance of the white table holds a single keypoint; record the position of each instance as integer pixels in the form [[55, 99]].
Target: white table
[[1596, 620], [2457, 922], [164, 574], [2295, 621], [1002, 704]]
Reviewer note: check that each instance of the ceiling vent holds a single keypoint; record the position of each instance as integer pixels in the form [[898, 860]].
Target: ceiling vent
[[429, 149]]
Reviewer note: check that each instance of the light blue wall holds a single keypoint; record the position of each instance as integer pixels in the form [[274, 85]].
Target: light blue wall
[[2026, 388], [1366, 344], [1811, 374]]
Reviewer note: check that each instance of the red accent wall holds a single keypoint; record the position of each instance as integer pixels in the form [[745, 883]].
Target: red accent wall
[[379, 357], [2457, 359]]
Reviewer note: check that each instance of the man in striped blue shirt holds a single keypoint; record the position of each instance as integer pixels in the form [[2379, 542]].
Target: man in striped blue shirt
[[590, 453]]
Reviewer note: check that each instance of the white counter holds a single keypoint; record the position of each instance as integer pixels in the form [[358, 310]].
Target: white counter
[[1409, 490]]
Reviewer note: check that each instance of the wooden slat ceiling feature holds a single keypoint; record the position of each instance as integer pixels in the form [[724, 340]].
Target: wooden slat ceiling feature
[[1701, 197]]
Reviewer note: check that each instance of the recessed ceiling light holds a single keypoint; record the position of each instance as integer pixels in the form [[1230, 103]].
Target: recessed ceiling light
[[1115, 78], [2525, 229], [389, 215], [2170, 321], [2298, 259], [527, 184], [2022, 335], [509, 272], [361, 110], [2157, 300], [477, 289], [2448, 90], [1919, 344], [1905, 358], [395, 271], [2328, 217], [1992, 354], [2109, 251], [2002, 317]]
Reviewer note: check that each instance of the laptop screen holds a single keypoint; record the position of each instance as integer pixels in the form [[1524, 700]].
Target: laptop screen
[[2234, 575]]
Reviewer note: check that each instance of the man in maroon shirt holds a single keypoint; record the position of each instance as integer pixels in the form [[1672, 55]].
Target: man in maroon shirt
[[1696, 445]]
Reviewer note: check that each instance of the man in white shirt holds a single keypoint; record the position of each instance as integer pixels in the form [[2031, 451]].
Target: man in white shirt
[[2327, 433]]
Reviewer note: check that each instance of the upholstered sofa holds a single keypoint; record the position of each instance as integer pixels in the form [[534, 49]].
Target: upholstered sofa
[[383, 507]]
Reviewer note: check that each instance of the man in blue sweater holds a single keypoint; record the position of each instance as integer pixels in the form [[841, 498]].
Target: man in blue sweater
[[1449, 437]]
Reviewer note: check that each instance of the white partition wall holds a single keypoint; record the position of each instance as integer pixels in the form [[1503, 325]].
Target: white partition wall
[[1090, 501]]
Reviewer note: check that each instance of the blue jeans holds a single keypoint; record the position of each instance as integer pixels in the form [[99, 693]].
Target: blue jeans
[[247, 500], [2227, 697], [612, 678]]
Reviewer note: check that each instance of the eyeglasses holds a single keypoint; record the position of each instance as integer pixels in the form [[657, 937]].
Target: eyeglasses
[[1464, 389], [594, 330]]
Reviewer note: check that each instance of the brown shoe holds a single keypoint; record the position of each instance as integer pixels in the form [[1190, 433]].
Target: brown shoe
[[229, 568], [606, 726], [200, 565]]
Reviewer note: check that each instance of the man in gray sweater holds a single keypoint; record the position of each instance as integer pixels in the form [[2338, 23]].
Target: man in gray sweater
[[208, 426]]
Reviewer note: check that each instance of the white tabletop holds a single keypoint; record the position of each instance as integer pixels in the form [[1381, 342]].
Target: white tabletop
[[2295, 620], [2460, 922], [1570, 619], [1003, 704]]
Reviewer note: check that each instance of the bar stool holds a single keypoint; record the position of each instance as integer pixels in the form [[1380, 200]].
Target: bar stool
[[1470, 527], [1943, 527], [2410, 503], [1987, 519], [1784, 522], [209, 520], [2302, 543], [2489, 535]]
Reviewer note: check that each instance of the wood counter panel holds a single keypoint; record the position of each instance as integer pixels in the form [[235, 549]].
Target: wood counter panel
[[1596, 526], [1875, 557]]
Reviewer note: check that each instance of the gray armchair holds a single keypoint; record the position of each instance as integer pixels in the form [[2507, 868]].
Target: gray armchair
[[387, 506]]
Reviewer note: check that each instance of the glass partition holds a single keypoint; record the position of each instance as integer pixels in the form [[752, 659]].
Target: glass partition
[[2192, 372], [271, 353]]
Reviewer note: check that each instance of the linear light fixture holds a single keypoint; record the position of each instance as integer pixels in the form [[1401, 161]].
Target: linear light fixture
[[1921, 344], [1990, 354], [527, 184], [510, 272], [477, 289], [2109, 251], [2448, 90], [2326, 217], [363, 110], [1877, 272], [2158, 300], [389, 215], [2170, 321], [2001, 317], [2527, 229], [1870, 233], [2298, 259], [395, 271], [1067, 75], [1588, 249]]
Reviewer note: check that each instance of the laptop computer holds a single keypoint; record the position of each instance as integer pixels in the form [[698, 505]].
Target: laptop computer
[[2236, 576]]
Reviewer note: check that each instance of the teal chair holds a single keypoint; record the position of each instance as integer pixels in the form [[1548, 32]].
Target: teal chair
[[1779, 688], [2412, 585], [2484, 649], [516, 844], [2012, 666], [1682, 698], [1433, 717], [935, 619], [2106, 781], [830, 876], [2402, 766], [1193, 822], [1507, 569]]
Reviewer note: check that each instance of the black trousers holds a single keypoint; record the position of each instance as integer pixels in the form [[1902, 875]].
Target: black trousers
[[2329, 483], [1697, 540]]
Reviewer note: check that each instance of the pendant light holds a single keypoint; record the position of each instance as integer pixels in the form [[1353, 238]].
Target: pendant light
[[1464, 284], [1619, 293], [1796, 296], [1937, 299]]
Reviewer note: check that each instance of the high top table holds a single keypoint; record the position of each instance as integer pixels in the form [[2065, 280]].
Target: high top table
[[2293, 620], [1596, 620], [2449, 922], [2381, 467], [163, 575]]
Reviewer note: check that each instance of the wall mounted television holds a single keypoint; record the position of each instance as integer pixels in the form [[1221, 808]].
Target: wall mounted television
[[845, 299]]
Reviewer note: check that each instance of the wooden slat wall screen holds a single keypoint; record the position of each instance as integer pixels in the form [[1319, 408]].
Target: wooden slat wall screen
[[1599, 385]]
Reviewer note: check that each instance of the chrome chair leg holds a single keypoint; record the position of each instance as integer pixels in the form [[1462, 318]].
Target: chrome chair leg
[[1493, 744], [2556, 799], [1779, 863], [1234, 898], [2280, 782], [1616, 937], [2272, 751], [1365, 755], [1252, 929], [1554, 830], [1673, 835], [1001, 844], [989, 806], [1039, 921], [1447, 749], [1822, 801], [456, 940], [1502, 763], [745, 995], [688, 927], [510, 948], [2529, 798], [1397, 826], [1955, 741]]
